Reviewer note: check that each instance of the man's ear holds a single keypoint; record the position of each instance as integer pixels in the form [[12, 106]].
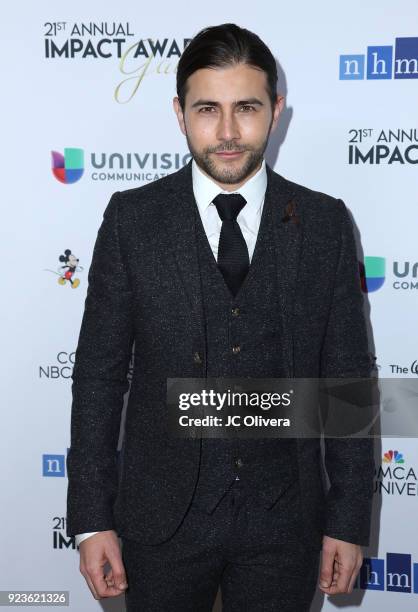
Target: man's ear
[[278, 107], [179, 113]]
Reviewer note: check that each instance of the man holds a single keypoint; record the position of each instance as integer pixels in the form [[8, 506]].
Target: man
[[222, 269]]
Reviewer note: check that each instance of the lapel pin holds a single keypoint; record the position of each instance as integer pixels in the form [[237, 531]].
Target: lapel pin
[[291, 214]]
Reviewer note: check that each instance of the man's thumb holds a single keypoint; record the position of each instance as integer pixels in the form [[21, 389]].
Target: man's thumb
[[119, 575], [327, 568]]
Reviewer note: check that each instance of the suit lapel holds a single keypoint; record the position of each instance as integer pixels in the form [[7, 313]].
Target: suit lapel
[[288, 228], [179, 220], [179, 216]]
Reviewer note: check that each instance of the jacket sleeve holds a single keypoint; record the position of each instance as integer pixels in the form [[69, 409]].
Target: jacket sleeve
[[349, 461], [99, 383]]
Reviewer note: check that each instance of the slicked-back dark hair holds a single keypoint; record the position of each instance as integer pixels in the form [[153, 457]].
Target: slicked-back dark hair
[[222, 46]]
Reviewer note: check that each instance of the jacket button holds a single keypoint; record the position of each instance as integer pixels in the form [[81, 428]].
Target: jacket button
[[197, 358], [236, 349], [238, 462], [235, 312]]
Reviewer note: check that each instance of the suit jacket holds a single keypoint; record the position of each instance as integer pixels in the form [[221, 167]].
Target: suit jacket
[[144, 292]]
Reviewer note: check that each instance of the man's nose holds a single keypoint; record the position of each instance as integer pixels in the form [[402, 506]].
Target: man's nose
[[227, 127]]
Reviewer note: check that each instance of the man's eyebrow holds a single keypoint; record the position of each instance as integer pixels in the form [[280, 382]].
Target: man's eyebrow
[[239, 103]]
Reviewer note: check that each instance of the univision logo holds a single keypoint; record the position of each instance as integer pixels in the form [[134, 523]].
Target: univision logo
[[382, 62], [116, 166], [68, 168], [374, 274]]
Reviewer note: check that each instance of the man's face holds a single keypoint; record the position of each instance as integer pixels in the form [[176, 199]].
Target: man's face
[[227, 121]]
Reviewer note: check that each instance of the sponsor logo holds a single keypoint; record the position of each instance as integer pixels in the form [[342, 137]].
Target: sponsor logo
[[399, 61]]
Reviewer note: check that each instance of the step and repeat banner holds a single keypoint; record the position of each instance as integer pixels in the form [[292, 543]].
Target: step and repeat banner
[[87, 111]]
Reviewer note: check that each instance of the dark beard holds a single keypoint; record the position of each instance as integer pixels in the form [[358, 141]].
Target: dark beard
[[228, 175]]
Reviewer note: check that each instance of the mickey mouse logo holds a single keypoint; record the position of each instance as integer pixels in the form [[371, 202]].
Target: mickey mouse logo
[[70, 266], [67, 271]]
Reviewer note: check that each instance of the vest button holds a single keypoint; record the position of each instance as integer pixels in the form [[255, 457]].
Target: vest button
[[238, 462], [235, 312], [197, 358], [236, 349]]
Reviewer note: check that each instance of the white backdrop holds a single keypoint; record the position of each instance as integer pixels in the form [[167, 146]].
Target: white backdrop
[[123, 105]]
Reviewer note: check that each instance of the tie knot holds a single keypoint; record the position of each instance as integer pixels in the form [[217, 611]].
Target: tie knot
[[229, 205]]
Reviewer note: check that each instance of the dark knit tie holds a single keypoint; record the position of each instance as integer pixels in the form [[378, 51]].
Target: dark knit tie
[[233, 259]]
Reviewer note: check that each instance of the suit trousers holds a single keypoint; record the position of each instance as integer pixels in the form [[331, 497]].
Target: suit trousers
[[255, 555]]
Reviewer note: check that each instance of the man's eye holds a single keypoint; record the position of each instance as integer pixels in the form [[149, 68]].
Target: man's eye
[[206, 108], [247, 107]]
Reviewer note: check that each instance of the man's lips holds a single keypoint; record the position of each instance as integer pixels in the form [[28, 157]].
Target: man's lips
[[228, 154]]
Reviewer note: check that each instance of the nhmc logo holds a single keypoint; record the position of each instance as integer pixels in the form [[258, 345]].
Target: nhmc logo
[[53, 465], [399, 576], [383, 62]]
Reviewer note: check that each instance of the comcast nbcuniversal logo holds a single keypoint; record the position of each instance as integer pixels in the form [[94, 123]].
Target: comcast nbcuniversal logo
[[393, 456], [68, 168], [394, 476]]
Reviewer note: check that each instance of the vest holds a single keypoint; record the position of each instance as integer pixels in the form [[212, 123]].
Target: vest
[[243, 337]]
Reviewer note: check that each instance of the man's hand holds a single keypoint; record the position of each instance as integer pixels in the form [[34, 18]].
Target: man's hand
[[341, 562], [95, 552]]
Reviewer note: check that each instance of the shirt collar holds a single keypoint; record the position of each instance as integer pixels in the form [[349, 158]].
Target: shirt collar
[[205, 190]]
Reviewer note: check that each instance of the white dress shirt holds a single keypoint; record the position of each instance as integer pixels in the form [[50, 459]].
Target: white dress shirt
[[253, 190], [205, 190]]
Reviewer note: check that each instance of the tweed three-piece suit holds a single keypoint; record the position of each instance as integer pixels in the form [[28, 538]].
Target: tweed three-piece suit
[[154, 284]]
